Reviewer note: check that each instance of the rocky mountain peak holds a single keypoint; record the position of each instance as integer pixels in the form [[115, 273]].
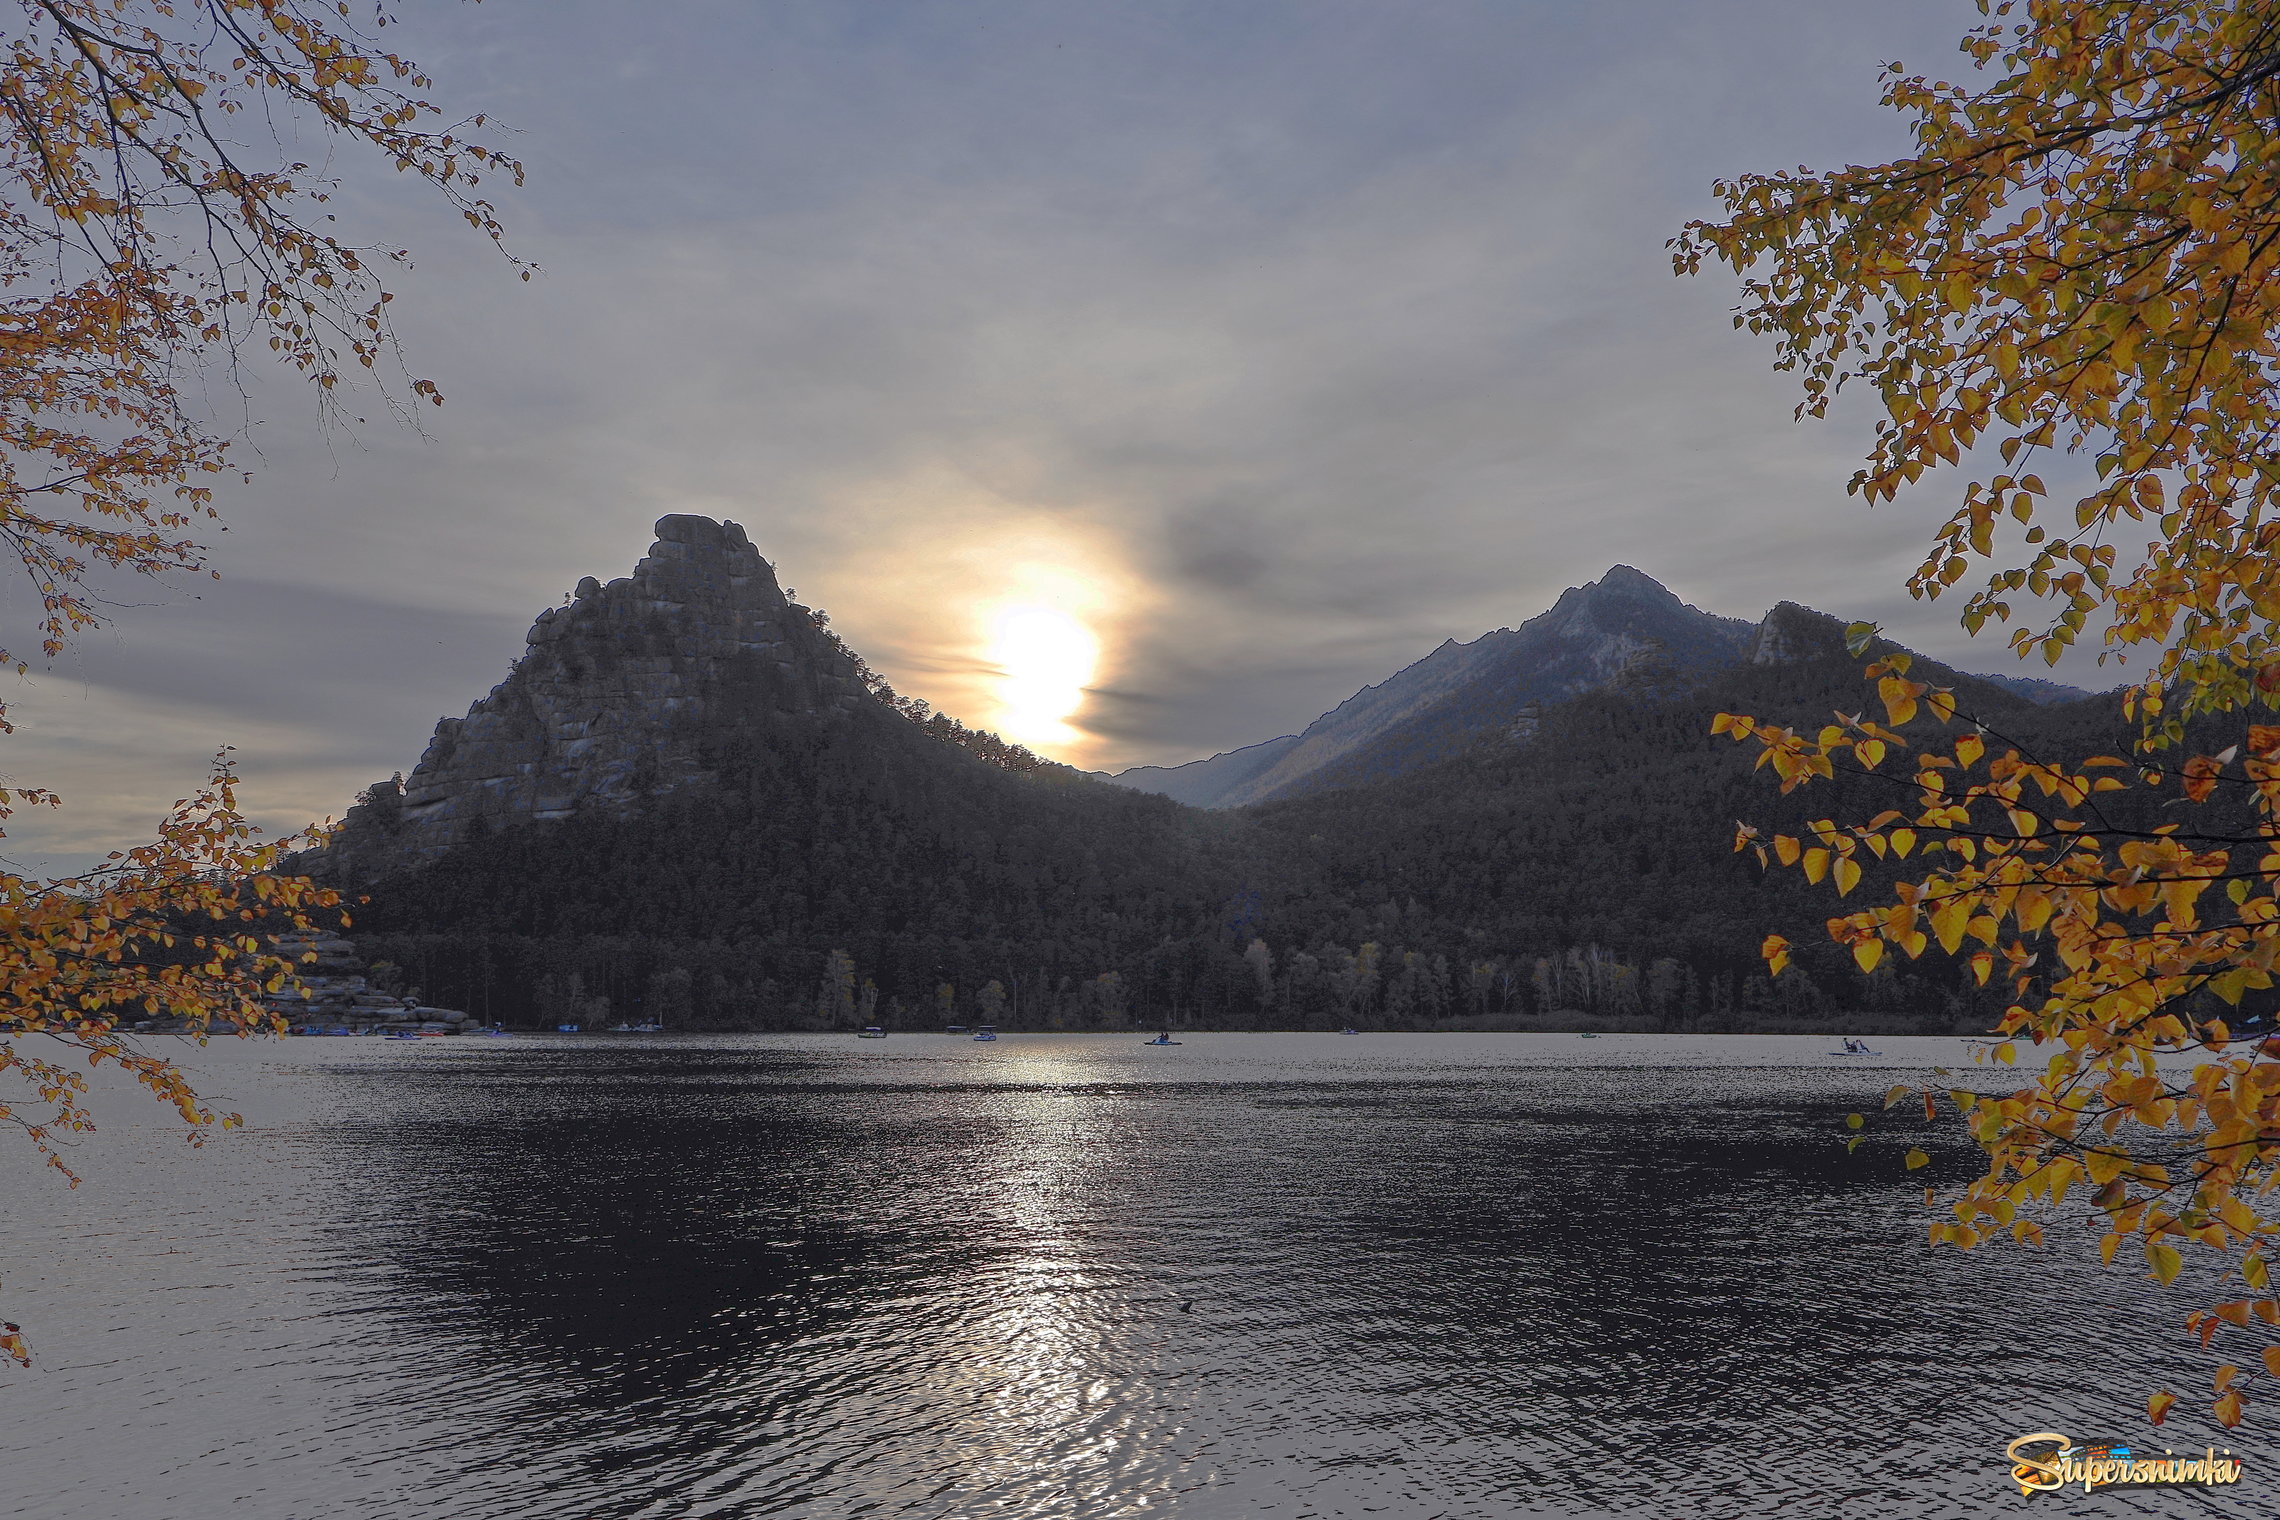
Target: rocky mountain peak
[[1614, 603], [1625, 630], [1624, 581], [618, 697]]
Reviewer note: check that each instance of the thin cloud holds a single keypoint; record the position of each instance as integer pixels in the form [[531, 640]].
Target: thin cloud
[[1306, 334]]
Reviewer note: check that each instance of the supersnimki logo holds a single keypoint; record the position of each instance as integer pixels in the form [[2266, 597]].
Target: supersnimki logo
[[2048, 1461]]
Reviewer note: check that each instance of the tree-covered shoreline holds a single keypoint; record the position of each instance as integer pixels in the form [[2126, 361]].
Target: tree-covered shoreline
[[863, 870]]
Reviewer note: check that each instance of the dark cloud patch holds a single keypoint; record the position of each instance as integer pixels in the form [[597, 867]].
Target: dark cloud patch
[[1218, 546]]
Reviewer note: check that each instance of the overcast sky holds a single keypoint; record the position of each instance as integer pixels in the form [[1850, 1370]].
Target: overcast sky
[[1274, 342]]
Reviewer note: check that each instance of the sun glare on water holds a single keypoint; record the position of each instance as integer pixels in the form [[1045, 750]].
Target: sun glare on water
[[1045, 658]]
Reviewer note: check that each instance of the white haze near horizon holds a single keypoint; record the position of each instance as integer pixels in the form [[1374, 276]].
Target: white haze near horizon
[[1273, 344]]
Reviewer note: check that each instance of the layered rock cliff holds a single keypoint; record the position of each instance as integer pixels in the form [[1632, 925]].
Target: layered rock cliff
[[624, 692]]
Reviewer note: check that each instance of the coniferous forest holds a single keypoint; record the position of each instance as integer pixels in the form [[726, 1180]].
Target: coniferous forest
[[1572, 871]]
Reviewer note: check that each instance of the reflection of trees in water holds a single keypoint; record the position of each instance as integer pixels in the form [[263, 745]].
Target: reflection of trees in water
[[628, 1221], [1531, 1256], [1547, 1261], [1499, 1259]]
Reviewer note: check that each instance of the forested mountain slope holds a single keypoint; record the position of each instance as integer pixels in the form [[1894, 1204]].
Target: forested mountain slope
[[805, 863], [1613, 826], [1595, 634]]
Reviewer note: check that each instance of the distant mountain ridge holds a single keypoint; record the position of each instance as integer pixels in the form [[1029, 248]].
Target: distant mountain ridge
[[1625, 629], [2039, 691], [1625, 625], [690, 803], [1202, 783]]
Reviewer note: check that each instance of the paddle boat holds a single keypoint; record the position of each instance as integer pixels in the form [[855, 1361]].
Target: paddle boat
[[873, 1032], [1162, 1039], [986, 1032], [1853, 1047]]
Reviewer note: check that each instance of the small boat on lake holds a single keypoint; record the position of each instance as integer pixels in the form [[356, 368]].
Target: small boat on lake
[[1853, 1047], [953, 1029], [872, 1033], [986, 1032], [565, 1029], [1349, 1031], [1162, 1039]]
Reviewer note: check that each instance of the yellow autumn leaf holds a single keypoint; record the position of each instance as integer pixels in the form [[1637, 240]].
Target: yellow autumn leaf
[[1899, 699], [2151, 356]]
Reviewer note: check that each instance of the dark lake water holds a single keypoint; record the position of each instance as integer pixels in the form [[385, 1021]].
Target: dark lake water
[[1285, 1276]]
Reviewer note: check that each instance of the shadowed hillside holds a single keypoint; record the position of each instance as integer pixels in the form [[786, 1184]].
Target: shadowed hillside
[[755, 833]]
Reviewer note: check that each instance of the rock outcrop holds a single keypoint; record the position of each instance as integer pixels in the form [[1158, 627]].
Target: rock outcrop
[[623, 693], [330, 994], [1791, 635]]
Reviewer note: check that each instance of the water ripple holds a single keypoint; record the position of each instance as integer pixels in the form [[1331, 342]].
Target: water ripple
[[1277, 1276]]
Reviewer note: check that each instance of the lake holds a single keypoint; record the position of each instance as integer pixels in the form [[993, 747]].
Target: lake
[[1294, 1276]]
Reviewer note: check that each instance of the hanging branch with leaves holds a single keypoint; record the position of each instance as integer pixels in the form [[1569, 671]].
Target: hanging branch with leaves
[[157, 220], [163, 182], [2081, 256]]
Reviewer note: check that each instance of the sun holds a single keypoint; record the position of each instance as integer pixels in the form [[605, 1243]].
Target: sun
[[1045, 659]]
